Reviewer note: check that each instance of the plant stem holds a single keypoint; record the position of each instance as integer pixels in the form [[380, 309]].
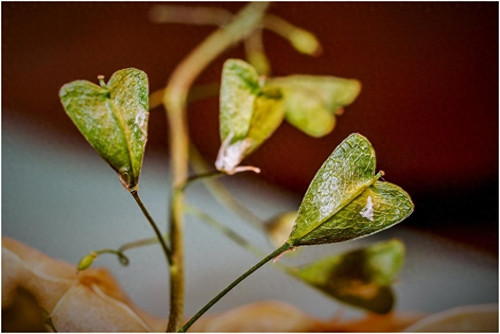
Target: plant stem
[[268, 258], [233, 235], [164, 246], [256, 55], [201, 176], [221, 194], [302, 40], [205, 217], [190, 15], [177, 265], [121, 257], [174, 100], [139, 243]]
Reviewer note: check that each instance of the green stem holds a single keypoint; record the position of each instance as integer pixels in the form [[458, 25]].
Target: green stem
[[164, 246], [174, 101], [139, 243], [221, 194], [201, 176], [205, 217], [124, 260], [234, 236], [302, 40], [268, 258], [256, 55]]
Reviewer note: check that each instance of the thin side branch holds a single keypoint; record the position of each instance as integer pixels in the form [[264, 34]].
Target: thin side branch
[[166, 250]]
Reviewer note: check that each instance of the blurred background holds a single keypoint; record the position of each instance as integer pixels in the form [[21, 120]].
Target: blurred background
[[429, 102], [429, 105]]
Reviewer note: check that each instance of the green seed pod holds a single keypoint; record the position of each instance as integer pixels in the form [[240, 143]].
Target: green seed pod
[[86, 261]]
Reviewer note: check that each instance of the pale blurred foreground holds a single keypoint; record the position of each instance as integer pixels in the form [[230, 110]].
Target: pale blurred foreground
[[92, 300]]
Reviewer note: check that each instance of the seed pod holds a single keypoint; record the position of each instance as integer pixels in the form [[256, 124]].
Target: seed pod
[[86, 261]]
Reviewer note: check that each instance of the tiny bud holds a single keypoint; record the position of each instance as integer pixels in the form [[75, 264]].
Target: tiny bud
[[305, 42], [86, 261]]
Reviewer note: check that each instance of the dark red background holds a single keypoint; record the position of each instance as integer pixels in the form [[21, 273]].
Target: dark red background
[[429, 102]]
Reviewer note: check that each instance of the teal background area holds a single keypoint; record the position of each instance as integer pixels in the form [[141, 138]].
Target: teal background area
[[62, 199]]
